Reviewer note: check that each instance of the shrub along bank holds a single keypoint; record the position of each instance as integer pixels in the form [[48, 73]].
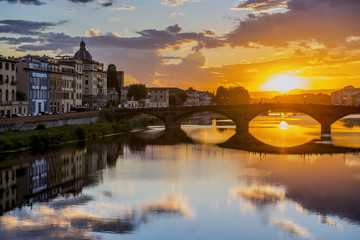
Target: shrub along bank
[[41, 137]]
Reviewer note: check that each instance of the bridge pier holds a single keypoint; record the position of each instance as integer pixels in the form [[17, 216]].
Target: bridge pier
[[242, 125], [325, 131], [170, 121]]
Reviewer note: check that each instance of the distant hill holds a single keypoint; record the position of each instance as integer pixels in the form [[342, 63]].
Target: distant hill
[[270, 94]]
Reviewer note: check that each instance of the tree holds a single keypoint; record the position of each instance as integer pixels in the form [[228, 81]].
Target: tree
[[137, 92], [112, 78], [182, 97], [20, 96], [236, 95], [222, 95], [174, 100]]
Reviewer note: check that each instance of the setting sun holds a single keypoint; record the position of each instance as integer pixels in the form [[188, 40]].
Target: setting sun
[[283, 82]]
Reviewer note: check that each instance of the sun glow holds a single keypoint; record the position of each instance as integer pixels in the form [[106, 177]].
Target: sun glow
[[283, 82]]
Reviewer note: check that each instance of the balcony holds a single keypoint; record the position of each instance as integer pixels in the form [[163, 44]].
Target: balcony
[[100, 85], [13, 82]]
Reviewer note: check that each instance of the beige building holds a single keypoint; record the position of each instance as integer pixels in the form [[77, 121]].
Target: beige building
[[157, 97], [349, 96], [196, 98], [78, 70], [94, 80], [62, 86], [8, 83]]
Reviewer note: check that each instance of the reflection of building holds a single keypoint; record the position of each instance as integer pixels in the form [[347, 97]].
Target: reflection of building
[[8, 84], [38, 176], [66, 172], [349, 96], [95, 159], [41, 179], [7, 189], [94, 79], [34, 80]]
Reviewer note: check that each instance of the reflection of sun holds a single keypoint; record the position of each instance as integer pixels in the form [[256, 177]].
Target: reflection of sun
[[283, 82], [283, 125]]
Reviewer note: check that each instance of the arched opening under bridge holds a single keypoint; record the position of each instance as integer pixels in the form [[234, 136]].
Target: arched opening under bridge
[[208, 127], [284, 128], [345, 132]]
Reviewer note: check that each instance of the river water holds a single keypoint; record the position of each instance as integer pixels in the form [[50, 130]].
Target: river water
[[203, 182]]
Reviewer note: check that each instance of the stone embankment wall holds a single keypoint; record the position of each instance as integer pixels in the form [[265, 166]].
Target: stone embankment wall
[[54, 120]]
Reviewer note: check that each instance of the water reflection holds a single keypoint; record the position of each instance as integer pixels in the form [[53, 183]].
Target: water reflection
[[247, 142], [284, 131], [170, 185]]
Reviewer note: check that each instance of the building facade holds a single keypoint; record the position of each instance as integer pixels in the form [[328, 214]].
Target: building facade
[[8, 82], [66, 82], [349, 96], [94, 79], [158, 97], [197, 98]]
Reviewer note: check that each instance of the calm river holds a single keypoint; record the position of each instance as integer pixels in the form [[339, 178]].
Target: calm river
[[280, 182]]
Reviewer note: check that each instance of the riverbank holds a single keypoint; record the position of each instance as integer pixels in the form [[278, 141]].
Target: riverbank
[[42, 137]]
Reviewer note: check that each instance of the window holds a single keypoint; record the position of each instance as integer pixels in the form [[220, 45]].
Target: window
[[86, 74], [0, 65], [12, 67], [86, 82], [86, 90], [1, 78], [7, 95], [6, 66]]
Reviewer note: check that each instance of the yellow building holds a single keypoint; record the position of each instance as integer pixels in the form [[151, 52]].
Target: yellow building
[[9, 106]]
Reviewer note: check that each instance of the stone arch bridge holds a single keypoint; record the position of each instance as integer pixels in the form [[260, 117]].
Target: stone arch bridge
[[242, 114]]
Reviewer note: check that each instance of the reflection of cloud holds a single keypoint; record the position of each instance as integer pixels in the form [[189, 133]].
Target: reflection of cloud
[[69, 223], [289, 226], [260, 194], [329, 221], [63, 203], [173, 204]]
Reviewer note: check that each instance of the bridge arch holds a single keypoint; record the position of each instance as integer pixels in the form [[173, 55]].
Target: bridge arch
[[185, 114], [284, 109], [132, 113]]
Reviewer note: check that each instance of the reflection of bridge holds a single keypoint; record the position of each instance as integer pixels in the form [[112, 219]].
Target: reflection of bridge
[[241, 141], [246, 142], [242, 114]]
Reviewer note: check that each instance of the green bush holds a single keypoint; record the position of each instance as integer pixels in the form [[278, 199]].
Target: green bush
[[41, 126], [80, 133]]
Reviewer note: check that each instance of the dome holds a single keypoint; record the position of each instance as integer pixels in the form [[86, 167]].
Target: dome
[[82, 53]]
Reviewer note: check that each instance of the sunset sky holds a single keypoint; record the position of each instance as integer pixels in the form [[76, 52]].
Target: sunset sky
[[257, 44]]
